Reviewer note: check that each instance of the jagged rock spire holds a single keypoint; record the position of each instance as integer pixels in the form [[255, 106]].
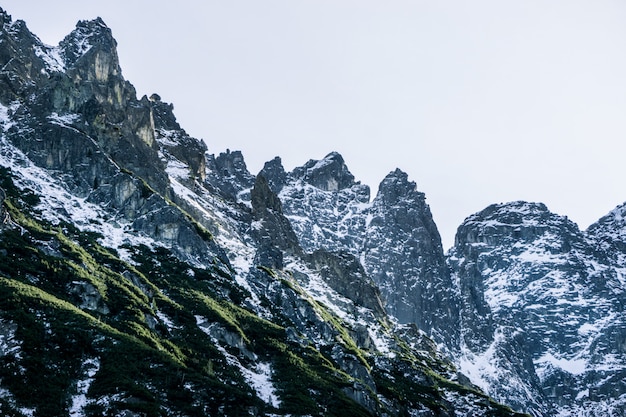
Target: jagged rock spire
[[275, 174], [328, 174], [92, 37]]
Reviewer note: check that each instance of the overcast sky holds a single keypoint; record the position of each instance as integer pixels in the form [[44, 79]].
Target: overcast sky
[[478, 101]]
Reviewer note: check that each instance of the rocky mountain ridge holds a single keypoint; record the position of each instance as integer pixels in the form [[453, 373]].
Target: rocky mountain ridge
[[548, 306], [141, 275]]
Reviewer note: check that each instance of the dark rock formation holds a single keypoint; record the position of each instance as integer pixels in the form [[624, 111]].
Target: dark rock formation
[[227, 173], [345, 274], [394, 237], [403, 254], [328, 174], [274, 172]]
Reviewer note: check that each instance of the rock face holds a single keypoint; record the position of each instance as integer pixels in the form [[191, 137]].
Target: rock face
[[142, 275], [540, 304], [228, 174], [403, 253], [328, 174], [394, 237]]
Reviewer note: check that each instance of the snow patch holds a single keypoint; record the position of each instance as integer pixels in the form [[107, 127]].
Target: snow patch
[[57, 204], [574, 366], [64, 120], [587, 328], [79, 401], [9, 345], [166, 320], [582, 394], [5, 119], [258, 376], [480, 368], [166, 137], [51, 56]]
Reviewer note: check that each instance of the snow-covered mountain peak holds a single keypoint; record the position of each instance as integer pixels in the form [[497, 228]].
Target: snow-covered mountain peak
[[397, 186], [515, 213], [525, 270], [87, 34], [92, 40], [327, 174], [514, 222]]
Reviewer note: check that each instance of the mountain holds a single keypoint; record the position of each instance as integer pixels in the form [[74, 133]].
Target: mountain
[[543, 309], [141, 275], [394, 236]]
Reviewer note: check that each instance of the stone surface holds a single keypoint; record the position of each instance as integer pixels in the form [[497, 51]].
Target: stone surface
[[539, 304]]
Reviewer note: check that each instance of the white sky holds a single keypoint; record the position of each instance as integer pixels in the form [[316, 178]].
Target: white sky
[[478, 101]]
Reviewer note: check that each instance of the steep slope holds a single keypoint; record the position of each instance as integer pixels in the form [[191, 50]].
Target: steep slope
[[608, 236], [140, 276], [394, 237], [542, 311]]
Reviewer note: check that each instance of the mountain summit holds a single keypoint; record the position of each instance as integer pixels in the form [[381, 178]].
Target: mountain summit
[[141, 275]]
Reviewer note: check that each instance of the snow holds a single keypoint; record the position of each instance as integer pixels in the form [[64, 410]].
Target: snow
[[166, 137], [582, 394], [480, 368], [166, 320], [258, 376], [334, 219], [322, 163], [9, 345], [64, 120], [7, 396], [81, 41], [587, 328], [574, 366], [59, 205], [28, 412], [51, 57], [601, 407], [79, 401], [5, 119], [177, 170]]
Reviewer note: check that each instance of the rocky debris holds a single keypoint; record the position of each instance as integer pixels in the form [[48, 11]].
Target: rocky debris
[[90, 297]]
